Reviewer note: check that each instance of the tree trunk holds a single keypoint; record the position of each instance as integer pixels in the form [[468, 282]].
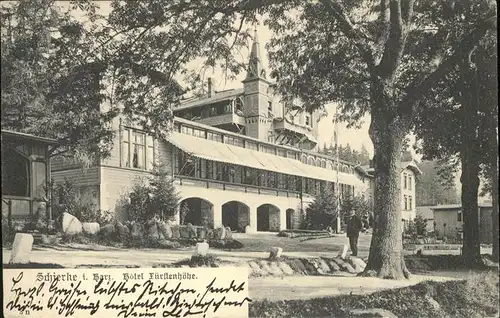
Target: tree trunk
[[386, 258], [470, 154], [494, 197]]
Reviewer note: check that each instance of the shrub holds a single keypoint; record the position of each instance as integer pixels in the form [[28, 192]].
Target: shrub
[[322, 212], [157, 199], [420, 225]]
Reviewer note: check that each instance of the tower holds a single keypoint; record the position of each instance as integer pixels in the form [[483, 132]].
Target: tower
[[257, 104]]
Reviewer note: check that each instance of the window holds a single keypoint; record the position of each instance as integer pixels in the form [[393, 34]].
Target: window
[[409, 202], [214, 137], [39, 179], [270, 107], [250, 145], [281, 152], [15, 173], [405, 181], [238, 105], [459, 216], [409, 181], [137, 150], [406, 202], [233, 141], [308, 120]]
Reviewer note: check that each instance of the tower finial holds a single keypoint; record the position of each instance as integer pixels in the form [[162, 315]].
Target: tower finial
[[255, 62]]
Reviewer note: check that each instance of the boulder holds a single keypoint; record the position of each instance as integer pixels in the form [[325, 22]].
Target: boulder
[[264, 265], [219, 233], [344, 266], [21, 249], [274, 269], [248, 229], [136, 231], [166, 244], [275, 252], [201, 249], [297, 266], [122, 231], [309, 267], [153, 232], [373, 312], [229, 234], [165, 230], [357, 263], [107, 231], [285, 268], [201, 233], [49, 239], [91, 228], [256, 270], [334, 267], [175, 231], [192, 232], [323, 266], [70, 224], [183, 231]]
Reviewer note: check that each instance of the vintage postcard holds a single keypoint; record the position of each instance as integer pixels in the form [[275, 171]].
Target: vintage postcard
[[270, 158]]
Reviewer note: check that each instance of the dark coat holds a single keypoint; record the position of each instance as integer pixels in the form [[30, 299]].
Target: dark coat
[[354, 226]]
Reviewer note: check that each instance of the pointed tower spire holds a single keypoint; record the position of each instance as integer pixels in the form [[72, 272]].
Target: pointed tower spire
[[255, 69]]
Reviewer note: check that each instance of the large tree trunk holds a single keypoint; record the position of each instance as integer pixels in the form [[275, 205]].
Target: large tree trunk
[[470, 153], [494, 196], [387, 132]]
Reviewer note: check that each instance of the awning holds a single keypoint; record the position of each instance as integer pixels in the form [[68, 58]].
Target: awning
[[230, 154]]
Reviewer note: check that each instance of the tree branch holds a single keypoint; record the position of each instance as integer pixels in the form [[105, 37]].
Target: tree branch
[[360, 38], [414, 93]]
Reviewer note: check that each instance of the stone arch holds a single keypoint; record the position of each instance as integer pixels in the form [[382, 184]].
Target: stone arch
[[268, 218], [318, 162], [323, 163], [290, 218], [197, 211], [303, 159], [310, 161], [236, 215]]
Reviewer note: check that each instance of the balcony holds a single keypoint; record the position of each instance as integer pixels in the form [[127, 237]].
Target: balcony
[[223, 119], [294, 133], [283, 124]]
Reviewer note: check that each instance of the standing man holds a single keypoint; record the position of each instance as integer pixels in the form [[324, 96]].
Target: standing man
[[354, 225]]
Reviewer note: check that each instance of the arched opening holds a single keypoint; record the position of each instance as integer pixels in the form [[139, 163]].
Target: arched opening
[[197, 211], [268, 218], [329, 165], [236, 215], [311, 161], [290, 218]]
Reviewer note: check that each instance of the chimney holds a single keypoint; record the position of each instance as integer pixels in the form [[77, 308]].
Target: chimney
[[211, 91]]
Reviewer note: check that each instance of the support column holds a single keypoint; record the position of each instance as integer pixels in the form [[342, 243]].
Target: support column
[[177, 216], [282, 219], [253, 219], [217, 210]]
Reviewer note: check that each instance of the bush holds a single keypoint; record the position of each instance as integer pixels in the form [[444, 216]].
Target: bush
[[420, 225], [322, 212], [156, 200]]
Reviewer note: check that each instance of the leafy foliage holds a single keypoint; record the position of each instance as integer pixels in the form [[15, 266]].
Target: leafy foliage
[[157, 199], [362, 207], [433, 186], [346, 153], [322, 212]]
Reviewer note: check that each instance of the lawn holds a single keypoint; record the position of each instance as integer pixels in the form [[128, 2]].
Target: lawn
[[262, 243], [475, 297]]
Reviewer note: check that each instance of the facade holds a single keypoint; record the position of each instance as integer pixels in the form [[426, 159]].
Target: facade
[[25, 172], [428, 214], [238, 158], [449, 221], [409, 173]]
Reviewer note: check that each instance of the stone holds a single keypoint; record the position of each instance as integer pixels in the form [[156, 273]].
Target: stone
[[309, 267], [344, 266], [192, 231], [256, 270], [285, 268], [343, 253], [183, 231], [21, 249], [201, 233], [274, 269], [357, 263], [323, 266], [136, 231], [219, 233], [229, 234], [49, 239], [275, 252], [91, 228], [248, 229], [122, 231], [297, 266], [334, 267], [165, 230], [152, 231], [201, 249], [372, 312], [107, 230], [433, 303], [175, 231], [264, 265], [210, 234], [71, 225]]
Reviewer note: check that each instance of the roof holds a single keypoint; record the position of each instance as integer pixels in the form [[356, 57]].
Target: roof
[[404, 165], [444, 207], [220, 152], [218, 97], [425, 211], [21, 135]]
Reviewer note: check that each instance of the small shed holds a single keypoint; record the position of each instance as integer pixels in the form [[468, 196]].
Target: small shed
[[25, 175]]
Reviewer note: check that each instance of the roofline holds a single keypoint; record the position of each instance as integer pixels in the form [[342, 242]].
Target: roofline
[[459, 206], [28, 136]]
